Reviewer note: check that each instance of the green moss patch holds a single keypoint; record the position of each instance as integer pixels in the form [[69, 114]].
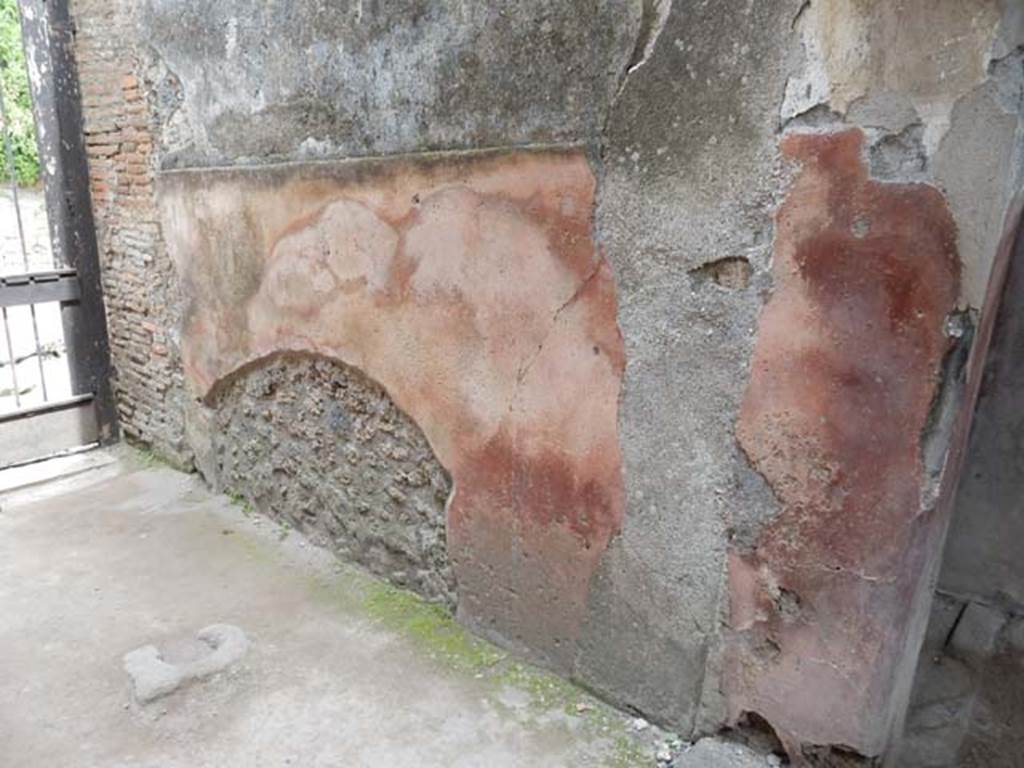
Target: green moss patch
[[431, 628]]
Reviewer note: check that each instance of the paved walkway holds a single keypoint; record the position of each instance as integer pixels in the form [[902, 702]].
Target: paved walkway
[[340, 671]]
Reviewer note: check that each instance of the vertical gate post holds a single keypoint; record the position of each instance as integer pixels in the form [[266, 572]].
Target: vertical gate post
[[48, 35]]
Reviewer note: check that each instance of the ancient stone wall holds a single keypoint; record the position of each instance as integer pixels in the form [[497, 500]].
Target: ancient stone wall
[[318, 446], [469, 287], [674, 292], [122, 136]]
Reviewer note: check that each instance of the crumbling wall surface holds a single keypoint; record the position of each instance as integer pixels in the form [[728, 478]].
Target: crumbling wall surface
[[832, 418], [675, 308], [175, 83], [936, 86], [470, 288], [850, 408], [316, 445], [690, 179], [314, 79]]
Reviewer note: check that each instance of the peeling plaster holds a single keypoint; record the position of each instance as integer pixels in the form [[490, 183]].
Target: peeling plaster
[[841, 387], [467, 286], [867, 49], [687, 192]]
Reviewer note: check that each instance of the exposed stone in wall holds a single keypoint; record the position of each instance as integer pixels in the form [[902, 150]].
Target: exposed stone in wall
[[842, 382], [139, 285], [315, 444], [681, 107], [469, 287]]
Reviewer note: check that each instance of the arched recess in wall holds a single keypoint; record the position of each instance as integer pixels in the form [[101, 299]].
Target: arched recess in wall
[[314, 443], [471, 289]]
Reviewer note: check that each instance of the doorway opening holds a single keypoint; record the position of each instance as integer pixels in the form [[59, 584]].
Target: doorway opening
[[54, 360]]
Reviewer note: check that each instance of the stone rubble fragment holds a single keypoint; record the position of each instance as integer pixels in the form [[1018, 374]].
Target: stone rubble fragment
[[153, 676]]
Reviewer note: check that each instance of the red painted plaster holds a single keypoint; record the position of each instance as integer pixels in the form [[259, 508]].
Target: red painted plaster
[[472, 291], [842, 380]]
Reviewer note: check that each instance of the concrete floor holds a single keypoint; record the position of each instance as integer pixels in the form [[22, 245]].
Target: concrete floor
[[341, 672]]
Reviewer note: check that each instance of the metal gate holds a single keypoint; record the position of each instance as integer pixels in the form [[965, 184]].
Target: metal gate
[[55, 392]]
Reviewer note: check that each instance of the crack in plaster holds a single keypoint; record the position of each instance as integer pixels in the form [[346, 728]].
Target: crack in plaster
[[524, 369], [652, 23]]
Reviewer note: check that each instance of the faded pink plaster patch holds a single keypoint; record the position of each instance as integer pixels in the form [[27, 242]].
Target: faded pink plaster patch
[[472, 291], [843, 376]]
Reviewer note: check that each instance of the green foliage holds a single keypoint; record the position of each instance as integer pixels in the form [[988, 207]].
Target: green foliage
[[17, 99]]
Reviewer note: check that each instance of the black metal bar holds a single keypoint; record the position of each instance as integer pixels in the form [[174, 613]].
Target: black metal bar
[[39, 352], [48, 36], [39, 288]]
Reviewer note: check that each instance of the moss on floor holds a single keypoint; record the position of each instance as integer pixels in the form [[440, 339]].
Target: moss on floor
[[431, 628], [433, 631]]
